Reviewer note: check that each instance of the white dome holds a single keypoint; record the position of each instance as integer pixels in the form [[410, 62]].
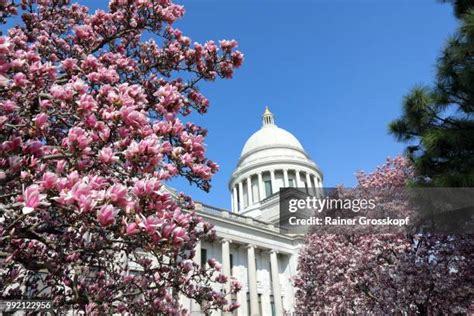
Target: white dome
[[271, 143], [271, 159], [270, 136]]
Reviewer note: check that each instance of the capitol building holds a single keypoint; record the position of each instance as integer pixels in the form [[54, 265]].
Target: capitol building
[[250, 245]]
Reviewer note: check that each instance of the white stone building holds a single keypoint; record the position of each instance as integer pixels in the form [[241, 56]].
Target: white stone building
[[250, 246]]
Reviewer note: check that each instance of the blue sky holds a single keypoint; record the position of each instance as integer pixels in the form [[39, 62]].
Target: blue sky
[[333, 72]]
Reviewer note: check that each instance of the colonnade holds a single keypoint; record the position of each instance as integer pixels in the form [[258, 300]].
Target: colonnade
[[251, 277], [291, 178]]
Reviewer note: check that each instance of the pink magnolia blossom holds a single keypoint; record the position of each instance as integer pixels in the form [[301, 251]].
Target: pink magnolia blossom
[[146, 187], [179, 235], [187, 265], [385, 273], [41, 120], [69, 64], [77, 137], [49, 180], [106, 155], [131, 228], [117, 194], [150, 224], [20, 79], [235, 285], [8, 106], [93, 123], [214, 264], [32, 199], [133, 118], [221, 278], [4, 45], [106, 215]]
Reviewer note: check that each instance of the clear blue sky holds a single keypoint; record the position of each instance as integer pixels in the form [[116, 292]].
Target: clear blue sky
[[333, 72]]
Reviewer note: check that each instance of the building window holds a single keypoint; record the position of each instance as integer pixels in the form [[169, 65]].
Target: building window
[[203, 257], [231, 264], [291, 183], [268, 188]]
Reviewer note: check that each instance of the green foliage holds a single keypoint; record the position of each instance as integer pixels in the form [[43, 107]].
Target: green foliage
[[438, 121], [460, 6]]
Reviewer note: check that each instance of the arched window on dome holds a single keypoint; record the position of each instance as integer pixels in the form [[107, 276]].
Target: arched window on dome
[[268, 188], [291, 182]]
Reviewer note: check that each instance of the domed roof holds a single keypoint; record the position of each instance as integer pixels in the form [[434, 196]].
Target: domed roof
[[270, 135]]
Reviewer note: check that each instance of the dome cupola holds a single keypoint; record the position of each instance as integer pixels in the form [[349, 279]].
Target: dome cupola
[[272, 158]]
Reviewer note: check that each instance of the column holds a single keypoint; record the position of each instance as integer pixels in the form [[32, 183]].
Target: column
[[254, 310], [276, 282], [195, 307], [298, 180], [241, 196], [308, 182], [235, 205], [315, 185], [261, 186], [242, 277], [292, 270], [286, 183], [264, 277], [226, 268], [272, 177], [249, 190]]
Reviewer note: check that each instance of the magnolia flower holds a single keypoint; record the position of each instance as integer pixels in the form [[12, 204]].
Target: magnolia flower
[[150, 224], [214, 264], [106, 215], [32, 199], [20, 79], [76, 137], [4, 81], [228, 44], [232, 307], [49, 180], [87, 104], [41, 120], [69, 64], [187, 265], [117, 194], [8, 106], [76, 95], [146, 187], [221, 278], [235, 285], [83, 32], [106, 155], [179, 235], [133, 118], [130, 228], [4, 45]]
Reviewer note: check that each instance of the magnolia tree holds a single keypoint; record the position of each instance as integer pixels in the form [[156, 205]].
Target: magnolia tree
[[385, 272], [91, 110]]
